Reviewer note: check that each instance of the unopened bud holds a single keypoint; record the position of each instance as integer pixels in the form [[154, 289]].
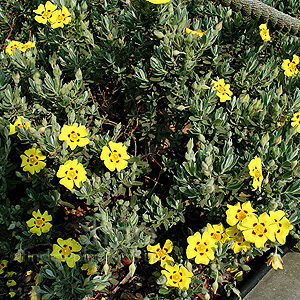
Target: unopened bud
[[106, 268], [132, 269]]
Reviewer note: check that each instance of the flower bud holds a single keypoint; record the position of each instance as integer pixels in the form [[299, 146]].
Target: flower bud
[[106, 268], [132, 269]]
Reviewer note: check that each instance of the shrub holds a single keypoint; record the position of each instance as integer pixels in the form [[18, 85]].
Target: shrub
[[130, 123]]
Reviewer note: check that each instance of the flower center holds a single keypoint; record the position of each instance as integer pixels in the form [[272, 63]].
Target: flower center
[[293, 66], [257, 174], [65, 250], [39, 222], [72, 174], [176, 277], [264, 31], [259, 229], [221, 89], [201, 248], [114, 156], [217, 236], [242, 215], [161, 253], [59, 18], [32, 160]]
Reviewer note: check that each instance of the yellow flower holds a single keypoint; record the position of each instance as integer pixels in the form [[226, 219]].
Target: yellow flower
[[115, 157], [12, 46], [198, 32], [71, 172], [258, 229], [65, 249], [12, 294], [264, 33], [290, 68], [44, 13], [32, 161], [10, 283], [177, 276], [236, 213], [296, 120], [74, 135], [255, 170], [283, 225], [156, 253], [216, 232], [60, 18], [29, 272], [238, 240], [3, 265], [11, 273], [224, 92], [91, 267], [40, 222], [26, 46], [201, 247], [275, 260], [158, 1], [19, 122]]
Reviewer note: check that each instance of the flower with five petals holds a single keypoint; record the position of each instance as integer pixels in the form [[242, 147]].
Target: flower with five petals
[[216, 232], [236, 213], [283, 225], [40, 222], [290, 67], [157, 253], [12, 46], [224, 92], [74, 135], [65, 249], [258, 230], [26, 46], [60, 18], [32, 161], [71, 172], [264, 33], [202, 248], [177, 276], [115, 157], [44, 13]]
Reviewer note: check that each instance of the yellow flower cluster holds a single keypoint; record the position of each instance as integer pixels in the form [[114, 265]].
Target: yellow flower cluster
[[18, 45], [177, 275], [71, 172], [257, 229], [50, 13]]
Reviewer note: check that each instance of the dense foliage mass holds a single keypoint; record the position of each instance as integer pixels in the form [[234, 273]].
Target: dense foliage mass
[[154, 140]]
